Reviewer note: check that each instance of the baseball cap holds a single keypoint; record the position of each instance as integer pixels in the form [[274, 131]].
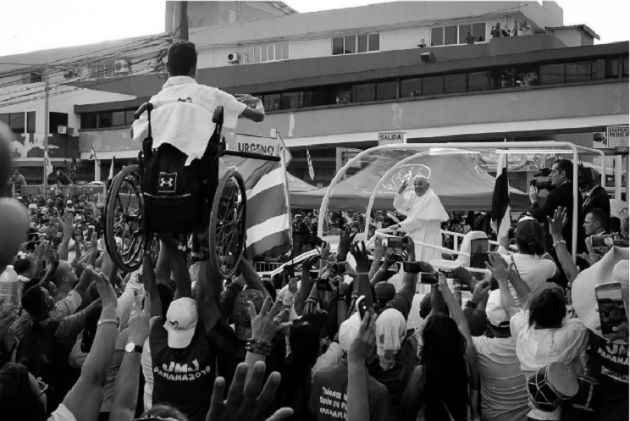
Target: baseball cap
[[495, 312], [181, 321]]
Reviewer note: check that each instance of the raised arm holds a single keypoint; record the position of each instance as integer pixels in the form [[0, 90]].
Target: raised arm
[[501, 273], [178, 267], [150, 286], [251, 276], [556, 225], [362, 281], [377, 256], [456, 312], [68, 229], [84, 399], [360, 349], [127, 380]]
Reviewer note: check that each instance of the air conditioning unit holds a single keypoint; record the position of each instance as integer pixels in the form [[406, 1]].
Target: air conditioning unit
[[233, 57], [65, 130], [122, 67]]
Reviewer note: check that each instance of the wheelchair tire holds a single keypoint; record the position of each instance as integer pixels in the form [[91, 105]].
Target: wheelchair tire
[[124, 223], [227, 224]]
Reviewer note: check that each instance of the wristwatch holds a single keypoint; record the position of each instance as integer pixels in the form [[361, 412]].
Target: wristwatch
[[131, 347]]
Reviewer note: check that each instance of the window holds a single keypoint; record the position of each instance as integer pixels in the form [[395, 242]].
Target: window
[[337, 45], [329, 95], [129, 116], [15, 121], [312, 97], [101, 70], [271, 102], [578, 72], [351, 44], [274, 51], [551, 73], [363, 92], [456, 34], [455, 83], [118, 118], [612, 68], [89, 120], [374, 42], [290, 100], [363, 43], [104, 119], [30, 122], [624, 67], [432, 85], [411, 87], [478, 81], [386, 90], [437, 36], [56, 120]]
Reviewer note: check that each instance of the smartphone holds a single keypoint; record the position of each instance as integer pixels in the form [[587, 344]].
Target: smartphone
[[393, 242], [411, 267], [361, 306], [479, 253], [611, 307], [90, 231], [429, 278]]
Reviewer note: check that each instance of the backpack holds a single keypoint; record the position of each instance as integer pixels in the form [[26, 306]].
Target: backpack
[[178, 197]]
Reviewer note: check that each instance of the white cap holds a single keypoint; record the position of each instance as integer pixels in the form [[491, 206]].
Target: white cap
[[181, 322], [494, 310]]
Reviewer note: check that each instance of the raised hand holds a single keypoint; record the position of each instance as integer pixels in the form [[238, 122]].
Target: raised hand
[[363, 345], [557, 223], [498, 266], [105, 290], [268, 321], [247, 401], [403, 186], [360, 254], [345, 241]]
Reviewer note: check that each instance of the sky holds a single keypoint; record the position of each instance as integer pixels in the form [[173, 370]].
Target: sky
[[30, 25]]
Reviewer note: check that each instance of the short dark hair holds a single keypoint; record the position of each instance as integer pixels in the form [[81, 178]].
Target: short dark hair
[[34, 300], [565, 166], [530, 237], [182, 58], [600, 216], [17, 398], [547, 308]]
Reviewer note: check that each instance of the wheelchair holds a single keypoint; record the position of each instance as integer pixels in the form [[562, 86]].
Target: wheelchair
[[128, 233]]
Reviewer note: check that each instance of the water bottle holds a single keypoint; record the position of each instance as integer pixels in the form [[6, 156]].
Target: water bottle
[[9, 286]]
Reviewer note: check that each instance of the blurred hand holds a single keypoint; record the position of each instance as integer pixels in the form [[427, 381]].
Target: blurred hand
[[345, 241], [247, 401], [410, 248], [533, 194], [557, 223], [324, 252], [268, 321], [403, 186], [480, 293], [68, 227], [379, 249], [105, 290], [363, 345], [310, 262], [360, 254], [139, 324], [498, 266]]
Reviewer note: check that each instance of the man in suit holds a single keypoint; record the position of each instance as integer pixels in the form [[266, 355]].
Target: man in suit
[[561, 195], [596, 195]]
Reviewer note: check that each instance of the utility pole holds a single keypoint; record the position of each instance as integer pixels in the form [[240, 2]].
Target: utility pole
[[183, 20], [46, 129]]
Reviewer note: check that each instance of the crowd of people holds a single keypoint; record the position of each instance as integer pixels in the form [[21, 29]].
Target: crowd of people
[[540, 338]]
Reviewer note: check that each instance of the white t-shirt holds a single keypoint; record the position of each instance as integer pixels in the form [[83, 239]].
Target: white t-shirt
[[536, 348], [182, 115], [534, 270]]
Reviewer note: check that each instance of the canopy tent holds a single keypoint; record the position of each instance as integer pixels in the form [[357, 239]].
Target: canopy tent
[[383, 168], [298, 185], [455, 176]]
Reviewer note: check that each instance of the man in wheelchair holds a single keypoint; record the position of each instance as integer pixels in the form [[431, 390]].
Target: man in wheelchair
[[178, 165]]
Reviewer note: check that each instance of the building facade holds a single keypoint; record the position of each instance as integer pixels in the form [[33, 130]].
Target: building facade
[[338, 81]]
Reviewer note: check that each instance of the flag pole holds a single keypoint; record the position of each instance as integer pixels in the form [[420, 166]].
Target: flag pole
[[46, 130]]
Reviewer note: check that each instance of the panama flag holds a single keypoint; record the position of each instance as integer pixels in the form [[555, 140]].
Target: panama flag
[[501, 200]]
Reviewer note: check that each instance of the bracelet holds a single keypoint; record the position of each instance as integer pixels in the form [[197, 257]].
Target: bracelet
[[108, 321], [258, 347], [555, 243]]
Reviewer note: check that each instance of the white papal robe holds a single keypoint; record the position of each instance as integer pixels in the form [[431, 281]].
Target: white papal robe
[[424, 215]]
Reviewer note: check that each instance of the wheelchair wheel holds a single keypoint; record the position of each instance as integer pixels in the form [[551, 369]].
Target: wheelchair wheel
[[227, 224], [124, 230]]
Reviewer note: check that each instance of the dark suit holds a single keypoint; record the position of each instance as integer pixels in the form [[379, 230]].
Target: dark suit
[[597, 199], [561, 196]]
